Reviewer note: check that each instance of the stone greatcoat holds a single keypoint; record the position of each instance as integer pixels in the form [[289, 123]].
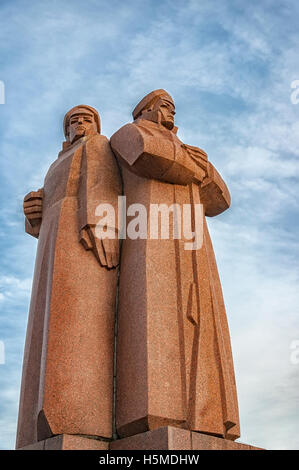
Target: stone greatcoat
[[174, 359], [67, 383]]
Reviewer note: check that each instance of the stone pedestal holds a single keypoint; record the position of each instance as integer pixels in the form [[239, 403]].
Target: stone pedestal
[[68, 442], [171, 438], [166, 438]]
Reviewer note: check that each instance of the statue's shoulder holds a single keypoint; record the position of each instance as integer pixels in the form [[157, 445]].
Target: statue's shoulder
[[127, 129], [127, 135], [98, 139], [97, 143], [128, 142]]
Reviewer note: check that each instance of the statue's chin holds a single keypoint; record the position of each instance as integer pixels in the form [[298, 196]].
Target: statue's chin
[[77, 137], [168, 124]]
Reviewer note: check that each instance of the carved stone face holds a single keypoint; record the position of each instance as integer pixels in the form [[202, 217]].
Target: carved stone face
[[167, 112], [81, 124]]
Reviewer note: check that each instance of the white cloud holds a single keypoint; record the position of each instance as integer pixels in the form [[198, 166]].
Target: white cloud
[[14, 287], [109, 55]]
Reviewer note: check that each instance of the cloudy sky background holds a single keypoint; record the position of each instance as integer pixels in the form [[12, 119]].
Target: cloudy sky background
[[229, 66]]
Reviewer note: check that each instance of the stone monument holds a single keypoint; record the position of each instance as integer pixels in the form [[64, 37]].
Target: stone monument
[[175, 386], [67, 383], [174, 360]]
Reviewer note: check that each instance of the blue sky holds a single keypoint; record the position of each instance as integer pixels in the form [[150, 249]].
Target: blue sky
[[229, 66]]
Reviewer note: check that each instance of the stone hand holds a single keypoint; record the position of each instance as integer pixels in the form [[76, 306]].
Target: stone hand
[[200, 162], [106, 250], [111, 251], [33, 207]]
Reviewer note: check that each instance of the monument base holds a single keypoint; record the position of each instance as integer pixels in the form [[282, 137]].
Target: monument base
[[68, 442], [171, 438], [166, 438]]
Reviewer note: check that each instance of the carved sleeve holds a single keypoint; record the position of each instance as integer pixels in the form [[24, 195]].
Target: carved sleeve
[[171, 161], [32, 230], [165, 159], [33, 224], [214, 194], [100, 181]]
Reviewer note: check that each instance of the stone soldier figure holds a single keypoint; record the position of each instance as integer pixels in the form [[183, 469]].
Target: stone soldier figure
[[174, 359], [67, 383]]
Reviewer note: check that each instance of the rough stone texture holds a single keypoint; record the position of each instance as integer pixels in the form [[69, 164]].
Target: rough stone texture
[[68, 442], [205, 442], [167, 438], [174, 359], [175, 371], [160, 439], [170, 438], [144, 441], [40, 445], [67, 383]]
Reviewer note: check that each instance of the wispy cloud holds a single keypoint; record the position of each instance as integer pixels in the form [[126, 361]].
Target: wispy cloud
[[229, 65]]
